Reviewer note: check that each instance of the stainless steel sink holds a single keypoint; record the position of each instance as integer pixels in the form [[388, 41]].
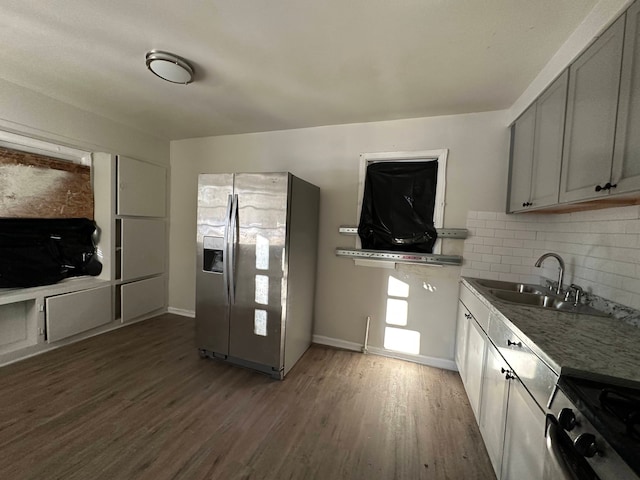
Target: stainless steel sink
[[544, 300], [513, 287]]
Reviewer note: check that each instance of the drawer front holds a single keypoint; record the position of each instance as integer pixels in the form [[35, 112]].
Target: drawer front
[[475, 306], [141, 298], [537, 377], [77, 312]]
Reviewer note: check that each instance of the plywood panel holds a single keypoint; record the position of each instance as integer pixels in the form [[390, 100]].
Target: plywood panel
[[37, 186]]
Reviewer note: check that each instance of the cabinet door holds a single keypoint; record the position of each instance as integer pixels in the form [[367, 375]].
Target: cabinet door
[[547, 147], [522, 136], [524, 440], [493, 407], [626, 159], [462, 331], [591, 117], [476, 346], [143, 247], [141, 188]]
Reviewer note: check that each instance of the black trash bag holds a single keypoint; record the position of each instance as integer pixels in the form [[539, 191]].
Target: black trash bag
[[398, 205], [35, 252]]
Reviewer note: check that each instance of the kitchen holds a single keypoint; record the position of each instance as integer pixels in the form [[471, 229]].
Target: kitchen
[[328, 156]]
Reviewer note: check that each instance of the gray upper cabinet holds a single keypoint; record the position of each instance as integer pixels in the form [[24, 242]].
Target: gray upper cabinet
[[547, 147], [592, 103], [625, 174], [522, 133], [537, 150]]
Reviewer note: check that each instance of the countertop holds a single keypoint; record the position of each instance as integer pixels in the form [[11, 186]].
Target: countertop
[[568, 341]]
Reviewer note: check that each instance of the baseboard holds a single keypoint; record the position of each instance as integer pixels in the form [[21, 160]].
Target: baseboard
[[182, 312], [421, 359]]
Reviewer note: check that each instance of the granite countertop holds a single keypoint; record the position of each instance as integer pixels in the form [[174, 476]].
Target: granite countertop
[[569, 341]]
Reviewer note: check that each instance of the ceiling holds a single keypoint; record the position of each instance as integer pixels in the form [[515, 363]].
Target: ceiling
[[277, 64]]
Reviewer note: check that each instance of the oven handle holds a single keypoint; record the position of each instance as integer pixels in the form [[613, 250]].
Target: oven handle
[[563, 454]]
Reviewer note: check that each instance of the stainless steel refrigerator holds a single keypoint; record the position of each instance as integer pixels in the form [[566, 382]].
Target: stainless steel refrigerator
[[257, 245]]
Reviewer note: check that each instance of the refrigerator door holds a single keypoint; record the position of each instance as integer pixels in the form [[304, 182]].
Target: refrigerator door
[[215, 194], [257, 314]]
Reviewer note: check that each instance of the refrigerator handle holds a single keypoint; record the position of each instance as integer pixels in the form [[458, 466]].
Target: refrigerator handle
[[226, 252], [234, 244]]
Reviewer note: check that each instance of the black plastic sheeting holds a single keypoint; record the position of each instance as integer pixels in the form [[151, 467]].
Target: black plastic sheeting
[[36, 252], [397, 207]]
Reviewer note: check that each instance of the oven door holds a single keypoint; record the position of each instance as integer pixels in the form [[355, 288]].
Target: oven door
[[563, 461]]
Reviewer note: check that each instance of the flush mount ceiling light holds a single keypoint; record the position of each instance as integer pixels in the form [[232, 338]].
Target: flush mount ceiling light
[[169, 67]]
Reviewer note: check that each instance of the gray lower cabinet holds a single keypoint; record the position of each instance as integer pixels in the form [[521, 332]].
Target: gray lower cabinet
[[73, 313], [462, 332], [625, 173]]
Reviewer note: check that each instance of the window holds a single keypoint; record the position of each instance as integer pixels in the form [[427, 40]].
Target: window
[[438, 156]]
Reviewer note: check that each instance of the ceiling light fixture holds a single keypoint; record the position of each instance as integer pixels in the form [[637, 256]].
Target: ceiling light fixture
[[169, 67]]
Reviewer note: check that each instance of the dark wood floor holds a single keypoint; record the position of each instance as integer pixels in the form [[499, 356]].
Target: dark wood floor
[[139, 403]]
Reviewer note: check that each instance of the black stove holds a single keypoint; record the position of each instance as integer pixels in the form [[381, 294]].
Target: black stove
[[612, 406]]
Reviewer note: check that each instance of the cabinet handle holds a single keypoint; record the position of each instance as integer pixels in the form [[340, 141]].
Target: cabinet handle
[[508, 374], [613, 186], [524, 204], [468, 316], [517, 344], [598, 188]]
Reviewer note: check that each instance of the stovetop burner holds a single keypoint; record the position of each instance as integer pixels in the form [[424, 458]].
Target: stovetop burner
[[624, 407], [612, 406]]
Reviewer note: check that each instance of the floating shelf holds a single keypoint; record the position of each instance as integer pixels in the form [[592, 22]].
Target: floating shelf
[[460, 233], [399, 257], [403, 257]]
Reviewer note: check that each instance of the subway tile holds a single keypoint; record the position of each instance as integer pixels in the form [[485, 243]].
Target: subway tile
[[521, 269], [502, 251], [471, 223], [487, 215], [533, 244], [505, 234], [510, 260], [483, 249], [510, 277], [613, 226], [505, 217], [501, 268], [494, 242], [480, 266], [489, 258], [513, 243], [632, 226], [524, 235], [469, 272], [486, 232], [472, 214], [476, 240], [522, 252], [497, 224], [472, 256]]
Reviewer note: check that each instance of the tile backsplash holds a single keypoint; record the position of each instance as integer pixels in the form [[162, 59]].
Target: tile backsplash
[[601, 249]]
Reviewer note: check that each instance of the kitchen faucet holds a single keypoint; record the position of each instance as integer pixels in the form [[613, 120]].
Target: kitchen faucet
[[560, 261]]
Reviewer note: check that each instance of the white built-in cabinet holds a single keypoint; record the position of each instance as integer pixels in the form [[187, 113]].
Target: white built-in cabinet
[[130, 212], [141, 239], [584, 144], [506, 405]]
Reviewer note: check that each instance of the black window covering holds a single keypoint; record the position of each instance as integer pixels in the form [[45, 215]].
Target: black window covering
[[398, 205], [36, 252]]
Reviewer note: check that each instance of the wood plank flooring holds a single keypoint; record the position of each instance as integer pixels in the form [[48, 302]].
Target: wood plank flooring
[[139, 403]]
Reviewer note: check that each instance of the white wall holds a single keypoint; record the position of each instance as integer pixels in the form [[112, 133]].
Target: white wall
[[29, 113], [329, 157], [601, 249], [603, 14]]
